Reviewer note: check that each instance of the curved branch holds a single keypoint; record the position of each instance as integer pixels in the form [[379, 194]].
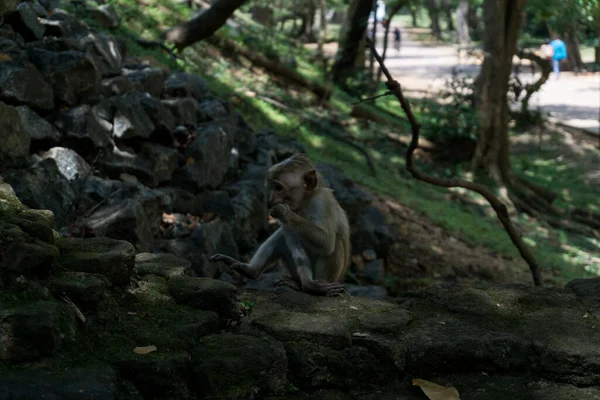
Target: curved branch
[[202, 26], [497, 205], [151, 44], [545, 69]]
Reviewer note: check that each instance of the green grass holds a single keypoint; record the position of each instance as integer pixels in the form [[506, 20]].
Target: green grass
[[567, 256]]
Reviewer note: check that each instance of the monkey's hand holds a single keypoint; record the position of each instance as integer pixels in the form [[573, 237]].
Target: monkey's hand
[[281, 211], [323, 288], [231, 264]]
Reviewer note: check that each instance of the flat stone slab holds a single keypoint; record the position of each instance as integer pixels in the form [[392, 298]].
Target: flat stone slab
[[165, 265]]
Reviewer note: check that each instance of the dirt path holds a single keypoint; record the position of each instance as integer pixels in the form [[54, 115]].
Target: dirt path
[[573, 100]]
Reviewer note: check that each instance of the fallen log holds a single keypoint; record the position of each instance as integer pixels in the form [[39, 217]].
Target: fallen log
[[272, 66]]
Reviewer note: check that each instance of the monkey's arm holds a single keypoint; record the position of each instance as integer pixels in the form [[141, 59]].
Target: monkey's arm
[[267, 253], [315, 234]]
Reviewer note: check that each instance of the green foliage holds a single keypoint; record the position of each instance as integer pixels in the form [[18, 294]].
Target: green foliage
[[247, 305], [457, 119], [293, 388], [562, 15]]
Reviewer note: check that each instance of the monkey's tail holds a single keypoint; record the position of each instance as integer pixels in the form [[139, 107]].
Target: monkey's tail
[[342, 258]]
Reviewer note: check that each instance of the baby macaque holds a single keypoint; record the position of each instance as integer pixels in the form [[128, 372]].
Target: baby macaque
[[314, 239]]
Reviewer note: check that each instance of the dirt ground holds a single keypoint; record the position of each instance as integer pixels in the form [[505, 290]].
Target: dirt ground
[[425, 253]]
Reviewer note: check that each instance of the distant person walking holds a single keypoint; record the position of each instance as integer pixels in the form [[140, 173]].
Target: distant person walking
[[397, 39], [560, 53]]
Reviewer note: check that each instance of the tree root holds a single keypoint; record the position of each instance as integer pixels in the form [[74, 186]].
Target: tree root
[[541, 191], [583, 222]]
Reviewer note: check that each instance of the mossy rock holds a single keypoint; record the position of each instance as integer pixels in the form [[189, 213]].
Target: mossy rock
[[165, 265], [207, 294], [159, 375], [326, 330], [23, 254], [109, 257], [238, 367], [85, 290], [9, 203], [95, 382], [7, 6], [147, 316], [312, 366], [37, 223], [35, 331]]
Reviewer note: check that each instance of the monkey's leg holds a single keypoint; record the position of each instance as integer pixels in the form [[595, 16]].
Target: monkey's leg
[[289, 282], [300, 267], [267, 253]]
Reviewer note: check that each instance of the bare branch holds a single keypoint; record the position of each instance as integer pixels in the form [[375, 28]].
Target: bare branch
[[151, 44], [496, 204], [372, 98]]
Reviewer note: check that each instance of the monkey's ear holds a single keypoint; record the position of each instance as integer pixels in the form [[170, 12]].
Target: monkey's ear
[[310, 180]]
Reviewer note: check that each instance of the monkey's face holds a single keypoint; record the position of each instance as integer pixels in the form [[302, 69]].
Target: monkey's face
[[286, 190], [292, 188]]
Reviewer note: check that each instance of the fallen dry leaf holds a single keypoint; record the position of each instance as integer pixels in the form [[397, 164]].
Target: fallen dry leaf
[[190, 161], [436, 392], [5, 57], [358, 262], [206, 217], [169, 218], [144, 350]]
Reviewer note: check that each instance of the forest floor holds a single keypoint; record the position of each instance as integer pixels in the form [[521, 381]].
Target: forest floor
[[422, 67]]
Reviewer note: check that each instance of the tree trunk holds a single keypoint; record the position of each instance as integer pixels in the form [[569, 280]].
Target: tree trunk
[[462, 26], [433, 7], [295, 20], [413, 14], [502, 19], [575, 63], [448, 14], [308, 21], [263, 15], [391, 13], [323, 25], [473, 21], [372, 82], [597, 49], [203, 26], [351, 35]]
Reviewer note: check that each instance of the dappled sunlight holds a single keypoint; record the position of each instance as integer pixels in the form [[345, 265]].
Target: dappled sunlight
[[316, 142], [566, 195]]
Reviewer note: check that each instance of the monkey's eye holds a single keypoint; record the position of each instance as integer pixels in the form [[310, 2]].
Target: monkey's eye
[[278, 187]]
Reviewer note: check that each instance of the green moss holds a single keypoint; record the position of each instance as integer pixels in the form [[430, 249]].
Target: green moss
[[9, 203], [22, 293]]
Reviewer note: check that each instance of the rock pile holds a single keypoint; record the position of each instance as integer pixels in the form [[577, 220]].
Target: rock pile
[[119, 149]]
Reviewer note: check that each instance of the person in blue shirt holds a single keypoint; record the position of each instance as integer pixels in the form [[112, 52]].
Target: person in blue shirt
[[560, 53]]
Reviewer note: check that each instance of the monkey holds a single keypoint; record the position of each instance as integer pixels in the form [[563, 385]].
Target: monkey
[[313, 240]]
